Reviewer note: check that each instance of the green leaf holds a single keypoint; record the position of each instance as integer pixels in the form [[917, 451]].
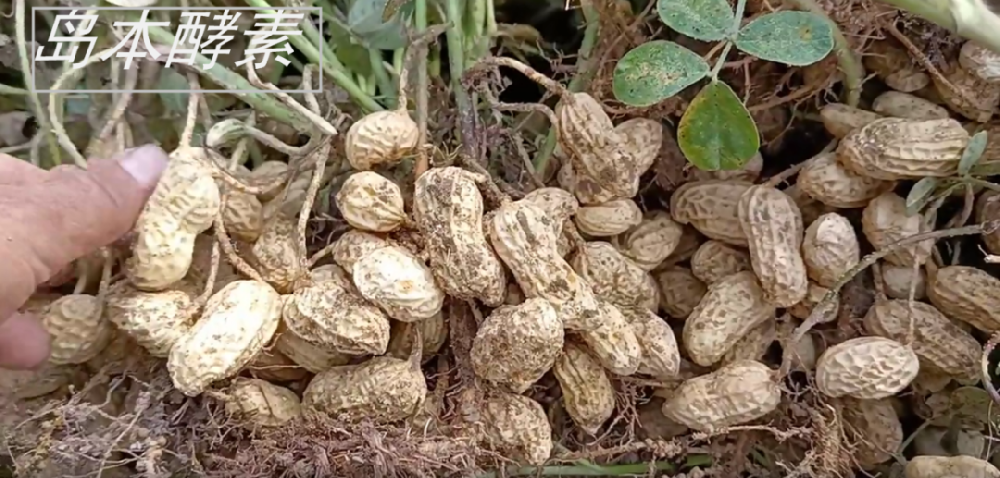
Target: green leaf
[[717, 132], [920, 194], [972, 153], [656, 71], [367, 25], [172, 80], [705, 20], [793, 38]]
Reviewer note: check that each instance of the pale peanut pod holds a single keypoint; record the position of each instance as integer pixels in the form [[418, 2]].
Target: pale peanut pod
[[277, 256], [517, 344], [525, 239], [936, 340], [400, 283], [381, 138], [814, 295], [448, 209], [893, 149], [686, 247], [930, 380], [980, 61], [988, 208], [587, 393], [968, 294], [383, 389], [201, 266], [650, 242], [729, 310], [710, 206], [949, 467], [236, 324], [897, 281], [78, 329], [267, 172], [243, 216], [750, 172], [810, 207], [660, 354], [612, 276], [968, 94], [644, 138], [937, 441], [568, 239], [433, 334], [289, 203], [840, 119], [608, 219], [826, 180], [680, 292], [804, 353], [734, 394], [275, 366], [597, 150], [866, 368], [183, 205], [558, 203], [884, 222], [517, 426], [371, 202], [585, 188], [313, 357], [28, 384], [614, 343], [155, 320], [262, 403], [753, 345], [904, 105], [873, 427], [830, 249], [327, 314], [650, 295], [354, 245], [773, 226], [332, 272], [894, 65], [716, 260]]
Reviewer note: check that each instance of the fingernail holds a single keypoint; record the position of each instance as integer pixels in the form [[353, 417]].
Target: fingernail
[[145, 163]]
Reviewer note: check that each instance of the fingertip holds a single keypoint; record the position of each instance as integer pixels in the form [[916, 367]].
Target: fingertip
[[145, 164], [24, 343]]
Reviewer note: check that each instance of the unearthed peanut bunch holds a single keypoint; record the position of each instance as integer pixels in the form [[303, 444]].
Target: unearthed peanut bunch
[[789, 37]]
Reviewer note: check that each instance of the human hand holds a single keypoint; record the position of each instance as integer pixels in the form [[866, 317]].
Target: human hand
[[48, 219]]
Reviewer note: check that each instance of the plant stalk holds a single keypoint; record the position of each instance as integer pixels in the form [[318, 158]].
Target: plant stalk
[[20, 20]]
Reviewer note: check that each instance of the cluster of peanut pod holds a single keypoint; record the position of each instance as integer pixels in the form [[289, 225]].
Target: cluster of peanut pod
[[574, 279]]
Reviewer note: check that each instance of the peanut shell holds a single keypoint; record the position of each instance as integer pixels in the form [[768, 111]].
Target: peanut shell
[[354, 245], [884, 222], [980, 61], [614, 344], [660, 354], [517, 426], [588, 396], [516, 345], [897, 281], [866, 368], [734, 394], [905, 105], [381, 138], [613, 277], [398, 282], [773, 226], [874, 428], [329, 315], [840, 119], [277, 255], [650, 242], [949, 467], [826, 180], [968, 94], [830, 249], [893, 149], [680, 291], [78, 329], [370, 202], [313, 357], [262, 403], [608, 219], [710, 206], [729, 310], [715, 260], [156, 320], [383, 389], [968, 294]]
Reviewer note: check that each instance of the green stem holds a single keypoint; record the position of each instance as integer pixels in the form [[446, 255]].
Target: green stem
[[847, 61], [585, 71], [13, 90], [382, 77], [721, 61], [420, 93], [20, 7], [456, 54]]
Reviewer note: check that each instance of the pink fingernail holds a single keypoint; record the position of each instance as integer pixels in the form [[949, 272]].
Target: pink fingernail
[[145, 163]]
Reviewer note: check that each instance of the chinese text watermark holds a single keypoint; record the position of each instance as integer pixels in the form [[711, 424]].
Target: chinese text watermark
[[201, 36]]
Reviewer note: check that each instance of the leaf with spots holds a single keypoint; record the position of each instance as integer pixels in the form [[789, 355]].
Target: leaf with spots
[[972, 153], [705, 20], [656, 71], [716, 131], [792, 38]]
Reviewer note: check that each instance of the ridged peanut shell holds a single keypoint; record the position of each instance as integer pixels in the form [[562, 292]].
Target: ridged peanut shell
[[313, 357], [371, 202], [753, 345], [680, 291], [274, 366], [734, 394], [586, 189], [967, 94], [830, 249], [433, 335], [716, 260], [236, 324], [866, 368], [949, 467], [381, 138], [893, 149], [968, 294], [873, 427], [608, 219], [826, 180], [398, 282], [332, 272], [155, 320], [650, 242], [884, 222], [840, 119], [262, 403], [980, 61], [243, 215], [614, 344], [729, 310], [613, 277], [894, 65], [644, 138], [353, 245], [588, 396], [383, 389], [597, 150], [517, 344], [904, 105], [897, 280], [814, 296], [329, 315], [988, 208], [517, 426], [660, 354], [277, 256], [525, 239], [557, 203], [773, 226], [710, 206], [78, 330], [448, 209], [936, 339]]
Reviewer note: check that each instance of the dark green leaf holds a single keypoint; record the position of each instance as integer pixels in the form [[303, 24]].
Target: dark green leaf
[[717, 132], [972, 153], [656, 71], [705, 20], [368, 26], [920, 194], [793, 38]]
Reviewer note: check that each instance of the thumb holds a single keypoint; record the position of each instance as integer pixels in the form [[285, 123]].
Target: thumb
[[71, 212]]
